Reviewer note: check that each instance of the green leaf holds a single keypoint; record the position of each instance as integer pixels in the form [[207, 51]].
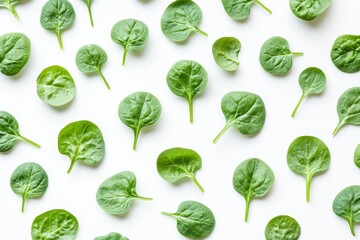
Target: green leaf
[[10, 5], [240, 9], [56, 16], [181, 18], [194, 219], [276, 57], [82, 141], [29, 180], [116, 193], [175, 164], [253, 178], [309, 9], [243, 110], [225, 51], [55, 86], [14, 53], [308, 156], [112, 236], [138, 110], [56, 224], [131, 34], [282, 228], [186, 79], [357, 156], [345, 53], [88, 5]]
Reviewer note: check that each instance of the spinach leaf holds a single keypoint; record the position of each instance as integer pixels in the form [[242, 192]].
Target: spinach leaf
[[138, 110], [348, 108], [282, 228], [90, 59], [240, 9], [29, 180], [194, 219], [357, 156], [186, 79], [116, 193], [309, 9], [55, 86], [312, 81], [14, 53], [345, 53], [88, 5], [175, 164], [112, 236], [10, 5], [181, 18], [56, 224], [243, 110], [56, 16], [253, 178], [276, 57], [131, 34], [308, 156], [9, 132], [347, 205], [225, 51], [82, 141]]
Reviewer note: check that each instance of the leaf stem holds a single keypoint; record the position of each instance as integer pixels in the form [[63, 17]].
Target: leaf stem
[[338, 126], [136, 136], [90, 14], [308, 185], [247, 208], [201, 31], [71, 166], [29, 141], [297, 54], [190, 101], [58, 35], [298, 105], [351, 225], [144, 198], [167, 214], [13, 11], [23, 203], [124, 56], [221, 133], [197, 183], [104, 79], [263, 6]]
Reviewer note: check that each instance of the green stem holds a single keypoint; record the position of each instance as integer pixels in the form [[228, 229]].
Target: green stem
[[144, 198], [104, 79], [308, 185], [190, 101], [221, 133], [58, 35], [23, 203], [247, 209], [297, 54], [351, 225], [338, 126], [298, 105], [13, 11], [136, 136], [201, 31], [167, 214], [71, 166], [124, 56], [197, 183], [263, 6], [29, 141], [90, 14]]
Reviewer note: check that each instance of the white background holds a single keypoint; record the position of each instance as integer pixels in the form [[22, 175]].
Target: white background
[[147, 71]]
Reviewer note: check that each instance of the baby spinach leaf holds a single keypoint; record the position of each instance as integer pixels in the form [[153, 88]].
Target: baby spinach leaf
[[348, 108], [347, 205], [276, 57], [194, 219], [309, 9], [243, 110], [131, 34], [240, 9], [282, 228], [308, 156], [181, 18], [55, 86], [345, 53], [116, 193], [56, 224], [88, 5], [175, 164], [112, 236], [14, 53], [253, 178], [225, 51], [312, 81], [138, 110], [357, 156], [90, 59], [186, 79], [82, 141], [56, 16], [9, 132]]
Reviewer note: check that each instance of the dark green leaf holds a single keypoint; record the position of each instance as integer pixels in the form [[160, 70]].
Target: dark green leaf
[[345, 53], [309, 9], [282, 228], [240, 9], [357, 156]]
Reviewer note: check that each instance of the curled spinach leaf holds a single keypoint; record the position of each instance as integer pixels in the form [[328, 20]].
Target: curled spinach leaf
[[56, 224], [116, 193], [308, 156], [138, 110], [88, 5], [276, 57], [309, 9], [348, 108], [14, 53], [90, 59], [225, 51], [357, 156], [56, 16], [55, 86], [347, 205], [181, 18], [9, 132], [253, 178], [194, 219], [82, 141], [131, 34], [345, 53], [112, 236], [10, 5], [186, 79], [175, 164], [282, 228], [243, 110], [240, 9], [312, 81], [29, 180]]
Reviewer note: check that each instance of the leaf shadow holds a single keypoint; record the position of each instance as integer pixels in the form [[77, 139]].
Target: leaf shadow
[[320, 19]]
